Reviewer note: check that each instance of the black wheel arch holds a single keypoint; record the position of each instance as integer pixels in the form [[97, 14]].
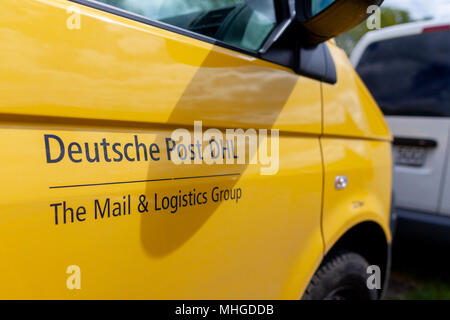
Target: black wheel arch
[[369, 240]]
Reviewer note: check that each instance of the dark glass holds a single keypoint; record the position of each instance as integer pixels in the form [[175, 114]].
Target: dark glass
[[317, 6], [242, 23], [409, 76]]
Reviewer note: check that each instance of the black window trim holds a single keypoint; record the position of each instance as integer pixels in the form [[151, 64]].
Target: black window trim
[[284, 14]]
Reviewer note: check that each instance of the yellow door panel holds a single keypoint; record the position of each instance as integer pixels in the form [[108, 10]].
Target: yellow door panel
[[113, 68], [349, 109], [366, 198], [76, 107], [264, 243]]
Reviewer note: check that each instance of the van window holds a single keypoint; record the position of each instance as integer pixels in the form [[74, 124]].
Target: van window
[[317, 6], [409, 76], [242, 23]]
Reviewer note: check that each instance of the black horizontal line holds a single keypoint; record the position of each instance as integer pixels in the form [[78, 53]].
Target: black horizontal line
[[141, 181]]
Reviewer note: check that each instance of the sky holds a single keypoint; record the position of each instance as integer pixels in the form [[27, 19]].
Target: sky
[[422, 8]]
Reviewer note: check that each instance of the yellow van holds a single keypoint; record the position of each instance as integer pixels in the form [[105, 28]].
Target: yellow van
[[100, 200]]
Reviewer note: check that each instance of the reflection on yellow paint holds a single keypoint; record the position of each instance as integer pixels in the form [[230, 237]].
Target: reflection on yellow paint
[[150, 229]]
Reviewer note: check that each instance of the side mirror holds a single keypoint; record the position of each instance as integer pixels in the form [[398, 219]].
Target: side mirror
[[298, 41], [326, 19]]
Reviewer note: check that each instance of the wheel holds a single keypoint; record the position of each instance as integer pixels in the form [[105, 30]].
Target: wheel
[[342, 276]]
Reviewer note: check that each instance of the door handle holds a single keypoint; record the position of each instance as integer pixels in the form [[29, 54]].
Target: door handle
[[415, 142]]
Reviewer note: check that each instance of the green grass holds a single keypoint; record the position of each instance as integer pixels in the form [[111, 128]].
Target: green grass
[[410, 285], [431, 290], [419, 270]]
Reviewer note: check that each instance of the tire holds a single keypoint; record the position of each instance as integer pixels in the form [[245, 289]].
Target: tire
[[342, 276]]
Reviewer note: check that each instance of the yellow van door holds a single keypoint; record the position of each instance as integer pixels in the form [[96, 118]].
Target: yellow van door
[[91, 204]]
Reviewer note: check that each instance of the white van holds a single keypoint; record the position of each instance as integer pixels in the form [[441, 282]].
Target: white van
[[407, 70]]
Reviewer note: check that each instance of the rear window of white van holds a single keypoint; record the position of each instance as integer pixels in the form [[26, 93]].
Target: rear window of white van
[[409, 76]]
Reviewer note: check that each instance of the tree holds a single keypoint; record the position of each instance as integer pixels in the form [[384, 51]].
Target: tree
[[389, 17]]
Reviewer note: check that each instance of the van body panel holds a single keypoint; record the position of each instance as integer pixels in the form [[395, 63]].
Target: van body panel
[[349, 109], [215, 250], [364, 164], [419, 188], [407, 69], [116, 69], [86, 118], [119, 82]]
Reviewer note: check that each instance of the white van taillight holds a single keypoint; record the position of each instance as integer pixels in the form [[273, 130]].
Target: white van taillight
[[436, 28]]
